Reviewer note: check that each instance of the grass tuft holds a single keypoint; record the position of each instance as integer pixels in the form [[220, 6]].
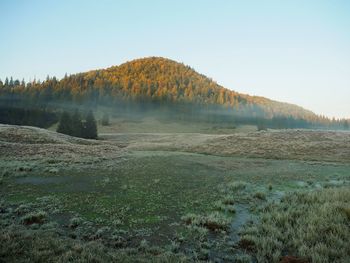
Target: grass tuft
[[34, 218], [260, 195], [215, 221], [237, 186]]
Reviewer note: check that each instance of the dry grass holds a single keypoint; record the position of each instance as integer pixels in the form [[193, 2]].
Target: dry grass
[[35, 143], [282, 144], [309, 145]]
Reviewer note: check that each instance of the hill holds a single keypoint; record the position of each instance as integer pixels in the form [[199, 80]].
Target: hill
[[155, 81]]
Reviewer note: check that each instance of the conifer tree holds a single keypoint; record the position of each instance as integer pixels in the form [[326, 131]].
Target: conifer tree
[[90, 127], [77, 124], [65, 124]]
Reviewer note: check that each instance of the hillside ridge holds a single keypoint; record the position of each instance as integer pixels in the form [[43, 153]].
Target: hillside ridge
[[155, 80], [184, 84]]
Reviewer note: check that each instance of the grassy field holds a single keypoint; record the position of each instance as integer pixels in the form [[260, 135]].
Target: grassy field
[[174, 197]]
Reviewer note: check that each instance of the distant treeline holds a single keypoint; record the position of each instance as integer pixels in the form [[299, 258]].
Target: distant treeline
[[39, 117], [165, 88]]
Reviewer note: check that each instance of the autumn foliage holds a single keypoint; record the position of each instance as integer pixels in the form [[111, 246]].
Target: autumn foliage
[[154, 80]]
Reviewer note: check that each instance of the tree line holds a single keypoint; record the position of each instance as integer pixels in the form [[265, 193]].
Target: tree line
[[39, 117], [162, 83]]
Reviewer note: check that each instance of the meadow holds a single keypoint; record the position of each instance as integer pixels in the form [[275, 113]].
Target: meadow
[[155, 196]]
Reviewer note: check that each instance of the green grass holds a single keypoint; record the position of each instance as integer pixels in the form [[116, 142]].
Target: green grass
[[146, 195], [311, 226]]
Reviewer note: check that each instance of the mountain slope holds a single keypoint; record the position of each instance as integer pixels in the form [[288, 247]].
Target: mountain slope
[[153, 79], [161, 78]]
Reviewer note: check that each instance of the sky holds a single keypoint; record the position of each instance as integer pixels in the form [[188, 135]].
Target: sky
[[292, 51]]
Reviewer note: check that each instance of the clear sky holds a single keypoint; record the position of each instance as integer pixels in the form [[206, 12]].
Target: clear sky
[[292, 51]]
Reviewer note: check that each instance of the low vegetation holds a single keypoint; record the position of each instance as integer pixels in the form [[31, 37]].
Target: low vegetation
[[310, 226], [215, 221], [34, 218], [64, 198]]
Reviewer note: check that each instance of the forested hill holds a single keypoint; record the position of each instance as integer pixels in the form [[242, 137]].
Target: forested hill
[[162, 79], [152, 79]]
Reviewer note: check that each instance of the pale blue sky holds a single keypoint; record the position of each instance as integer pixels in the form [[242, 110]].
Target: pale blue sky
[[293, 51]]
